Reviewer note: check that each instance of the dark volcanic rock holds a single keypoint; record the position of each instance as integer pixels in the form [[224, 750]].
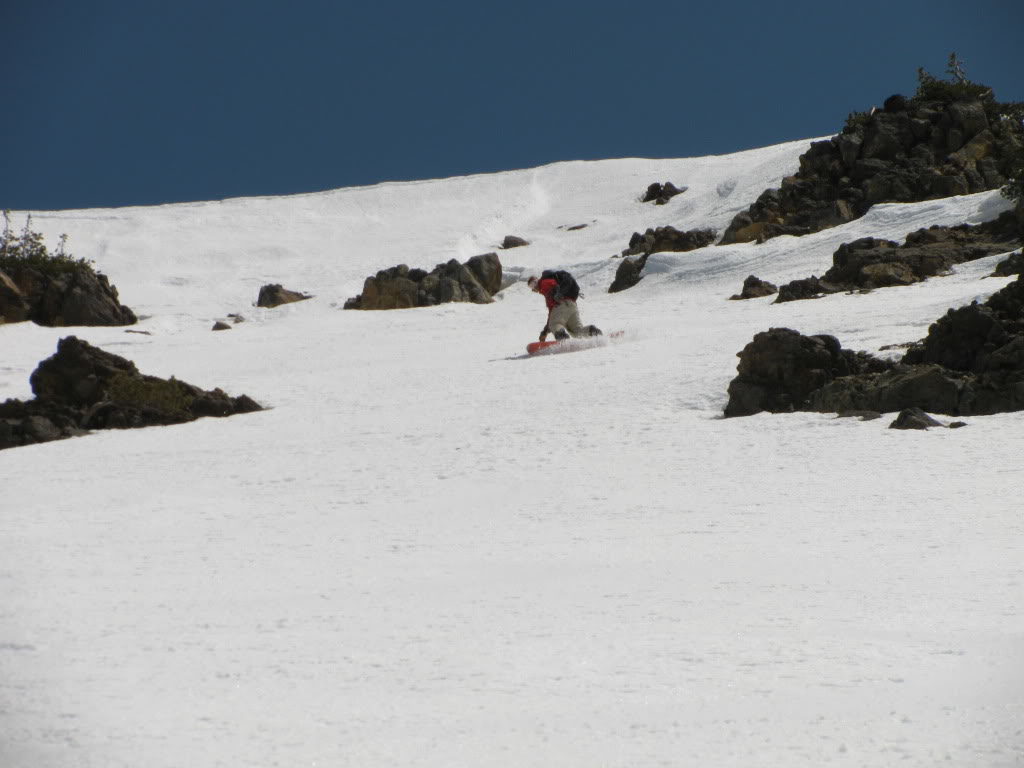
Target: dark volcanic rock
[[807, 288], [628, 274], [754, 288], [930, 387], [660, 239], [914, 418], [1012, 265], [971, 362], [403, 288], [513, 241], [780, 369], [661, 193], [82, 387]]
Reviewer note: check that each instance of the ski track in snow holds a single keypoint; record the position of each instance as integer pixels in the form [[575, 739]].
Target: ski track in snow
[[428, 554]]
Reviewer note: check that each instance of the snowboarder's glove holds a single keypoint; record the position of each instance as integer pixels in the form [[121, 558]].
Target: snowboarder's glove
[[543, 334]]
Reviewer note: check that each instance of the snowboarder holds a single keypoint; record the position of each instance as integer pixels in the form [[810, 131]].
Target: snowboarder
[[560, 292]]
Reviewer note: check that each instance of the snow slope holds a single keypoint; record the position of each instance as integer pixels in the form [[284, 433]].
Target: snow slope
[[433, 551]]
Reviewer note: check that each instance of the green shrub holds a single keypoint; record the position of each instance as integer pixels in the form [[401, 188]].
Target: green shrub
[[171, 397], [957, 88], [28, 250], [856, 121]]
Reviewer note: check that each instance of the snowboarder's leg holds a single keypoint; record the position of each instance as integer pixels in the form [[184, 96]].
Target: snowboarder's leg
[[572, 321], [559, 318]]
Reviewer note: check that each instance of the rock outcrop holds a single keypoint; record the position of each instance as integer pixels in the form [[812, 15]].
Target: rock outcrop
[[399, 287], [781, 368], [1012, 265], [82, 388], [71, 296], [909, 151], [870, 263], [970, 363]]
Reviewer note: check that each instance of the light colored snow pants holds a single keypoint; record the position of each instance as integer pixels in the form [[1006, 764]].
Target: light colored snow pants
[[566, 316]]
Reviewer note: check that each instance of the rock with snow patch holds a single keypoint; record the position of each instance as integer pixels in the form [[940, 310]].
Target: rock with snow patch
[[655, 240], [869, 262]]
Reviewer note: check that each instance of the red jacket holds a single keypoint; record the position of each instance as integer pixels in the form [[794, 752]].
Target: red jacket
[[546, 288]]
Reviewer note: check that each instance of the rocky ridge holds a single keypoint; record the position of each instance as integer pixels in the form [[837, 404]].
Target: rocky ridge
[[911, 150]]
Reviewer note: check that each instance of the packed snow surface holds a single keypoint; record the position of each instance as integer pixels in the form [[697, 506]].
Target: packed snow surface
[[433, 550]]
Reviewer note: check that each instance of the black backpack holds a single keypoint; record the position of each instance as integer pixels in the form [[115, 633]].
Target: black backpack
[[567, 288]]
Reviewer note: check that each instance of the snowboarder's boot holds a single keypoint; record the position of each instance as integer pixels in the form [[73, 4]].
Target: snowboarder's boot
[[594, 330], [561, 334]]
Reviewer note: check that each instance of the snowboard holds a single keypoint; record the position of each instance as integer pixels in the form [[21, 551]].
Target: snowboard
[[570, 345]]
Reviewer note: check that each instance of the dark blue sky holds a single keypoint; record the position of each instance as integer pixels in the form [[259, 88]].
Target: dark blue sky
[[122, 102]]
